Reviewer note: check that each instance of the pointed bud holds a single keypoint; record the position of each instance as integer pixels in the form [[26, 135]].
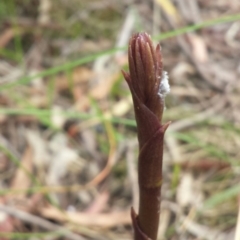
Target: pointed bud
[[149, 85]]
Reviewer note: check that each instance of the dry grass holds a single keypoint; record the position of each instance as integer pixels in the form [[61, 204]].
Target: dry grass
[[67, 135]]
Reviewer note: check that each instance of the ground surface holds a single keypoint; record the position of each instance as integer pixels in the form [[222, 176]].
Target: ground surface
[[68, 145]]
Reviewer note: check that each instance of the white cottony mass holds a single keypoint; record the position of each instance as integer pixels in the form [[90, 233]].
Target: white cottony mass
[[164, 87]]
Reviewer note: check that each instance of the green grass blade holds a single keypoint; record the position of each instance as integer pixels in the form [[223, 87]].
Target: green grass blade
[[46, 113], [222, 197]]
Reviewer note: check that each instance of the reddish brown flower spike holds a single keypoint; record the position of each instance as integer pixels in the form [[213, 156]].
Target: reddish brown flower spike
[[148, 84]]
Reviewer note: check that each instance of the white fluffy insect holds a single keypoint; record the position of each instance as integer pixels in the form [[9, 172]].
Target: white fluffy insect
[[164, 87]]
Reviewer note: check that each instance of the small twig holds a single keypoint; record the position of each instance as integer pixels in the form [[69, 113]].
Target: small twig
[[218, 103], [190, 10], [111, 157], [126, 31], [29, 218], [202, 231], [202, 70]]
